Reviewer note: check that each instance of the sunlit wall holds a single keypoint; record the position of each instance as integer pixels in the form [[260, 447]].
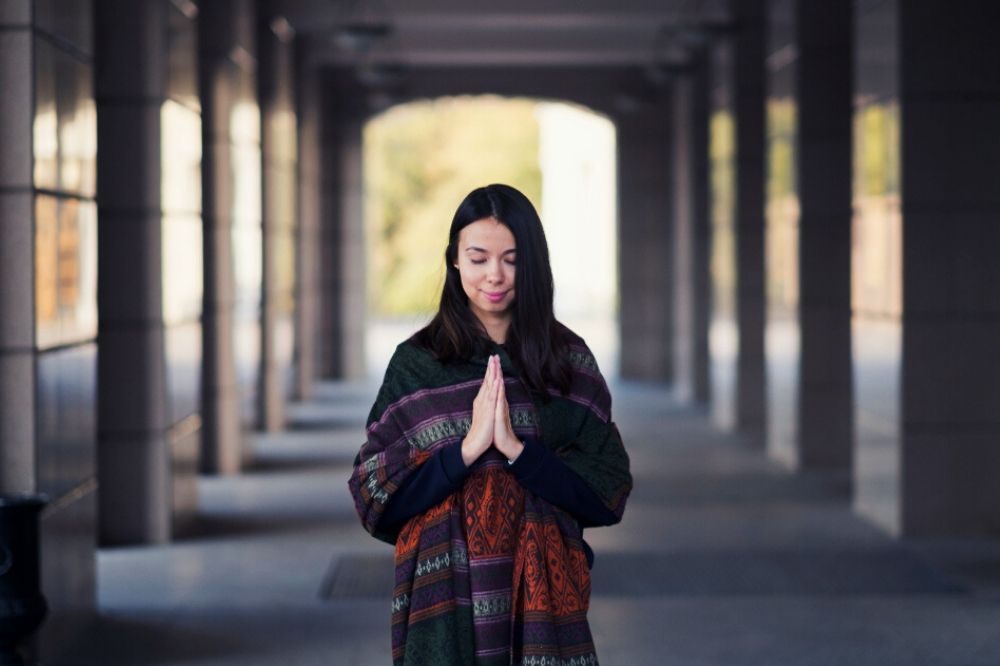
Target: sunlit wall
[[576, 154], [182, 278], [876, 263]]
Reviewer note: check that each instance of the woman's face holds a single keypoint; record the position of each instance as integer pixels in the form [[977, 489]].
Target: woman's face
[[486, 259]]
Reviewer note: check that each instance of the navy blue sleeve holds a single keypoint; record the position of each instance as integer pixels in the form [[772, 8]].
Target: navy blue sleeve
[[442, 474], [543, 473]]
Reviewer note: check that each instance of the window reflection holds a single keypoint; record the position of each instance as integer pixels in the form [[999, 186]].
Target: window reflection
[[65, 270], [45, 135], [64, 129]]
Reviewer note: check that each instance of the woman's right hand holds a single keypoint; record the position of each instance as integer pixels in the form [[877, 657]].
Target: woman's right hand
[[480, 435]]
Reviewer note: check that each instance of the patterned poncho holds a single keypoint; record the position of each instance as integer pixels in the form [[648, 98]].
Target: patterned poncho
[[493, 574]]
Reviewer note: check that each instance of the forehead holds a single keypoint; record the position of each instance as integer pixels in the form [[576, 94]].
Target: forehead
[[488, 234]]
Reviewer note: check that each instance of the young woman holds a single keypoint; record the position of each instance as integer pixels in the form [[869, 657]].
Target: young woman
[[490, 446]]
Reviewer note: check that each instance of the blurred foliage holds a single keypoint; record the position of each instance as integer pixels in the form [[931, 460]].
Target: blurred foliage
[[781, 129], [876, 150], [722, 172], [421, 159]]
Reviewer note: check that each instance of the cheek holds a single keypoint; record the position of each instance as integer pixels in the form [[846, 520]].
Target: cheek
[[469, 274]]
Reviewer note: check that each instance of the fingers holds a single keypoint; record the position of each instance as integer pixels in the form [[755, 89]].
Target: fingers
[[483, 387], [501, 390], [494, 381]]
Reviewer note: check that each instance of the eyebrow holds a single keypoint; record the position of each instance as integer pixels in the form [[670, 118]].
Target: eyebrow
[[479, 249]]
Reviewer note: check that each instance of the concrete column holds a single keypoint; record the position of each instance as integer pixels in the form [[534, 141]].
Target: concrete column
[[218, 40], [344, 301], [133, 455], [645, 244], [307, 242], [750, 174], [825, 403], [691, 252], [950, 97], [352, 253], [17, 265], [331, 342], [278, 189], [701, 224], [683, 241]]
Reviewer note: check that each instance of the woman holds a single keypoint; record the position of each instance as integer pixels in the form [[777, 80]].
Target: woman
[[490, 446]]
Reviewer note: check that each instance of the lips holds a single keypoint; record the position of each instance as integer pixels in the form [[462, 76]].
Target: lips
[[494, 297]]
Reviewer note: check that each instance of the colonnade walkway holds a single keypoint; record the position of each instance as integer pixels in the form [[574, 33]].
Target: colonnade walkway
[[722, 558]]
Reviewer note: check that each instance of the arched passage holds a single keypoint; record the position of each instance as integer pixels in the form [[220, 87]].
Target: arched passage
[[420, 158]]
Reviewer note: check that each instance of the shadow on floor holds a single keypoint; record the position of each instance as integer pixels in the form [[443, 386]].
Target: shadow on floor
[[112, 640]]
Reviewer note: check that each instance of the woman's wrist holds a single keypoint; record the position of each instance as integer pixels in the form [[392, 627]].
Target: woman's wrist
[[514, 450], [468, 455]]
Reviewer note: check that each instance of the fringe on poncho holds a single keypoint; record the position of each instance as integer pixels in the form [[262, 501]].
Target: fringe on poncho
[[494, 574]]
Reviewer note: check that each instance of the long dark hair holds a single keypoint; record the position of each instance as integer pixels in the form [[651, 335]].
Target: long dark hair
[[536, 342]]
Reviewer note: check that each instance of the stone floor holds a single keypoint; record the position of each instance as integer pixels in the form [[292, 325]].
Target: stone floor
[[722, 558]]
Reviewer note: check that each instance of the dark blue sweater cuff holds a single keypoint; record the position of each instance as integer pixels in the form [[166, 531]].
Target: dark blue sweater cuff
[[541, 471], [453, 465], [530, 461], [440, 475]]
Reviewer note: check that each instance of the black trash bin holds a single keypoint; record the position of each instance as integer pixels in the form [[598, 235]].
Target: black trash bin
[[22, 606]]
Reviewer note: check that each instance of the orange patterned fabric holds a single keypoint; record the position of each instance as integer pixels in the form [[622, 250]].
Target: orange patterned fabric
[[553, 576], [494, 503]]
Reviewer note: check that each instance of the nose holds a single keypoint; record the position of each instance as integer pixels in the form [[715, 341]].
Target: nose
[[495, 273]]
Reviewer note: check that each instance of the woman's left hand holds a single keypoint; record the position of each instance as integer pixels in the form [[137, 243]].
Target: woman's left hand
[[504, 438]]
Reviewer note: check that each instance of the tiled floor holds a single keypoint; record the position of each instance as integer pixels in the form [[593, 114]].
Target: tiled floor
[[721, 559]]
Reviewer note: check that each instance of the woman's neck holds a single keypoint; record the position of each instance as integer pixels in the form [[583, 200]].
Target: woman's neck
[[496, 328]]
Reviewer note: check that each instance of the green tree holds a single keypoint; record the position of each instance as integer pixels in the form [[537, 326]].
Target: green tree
[[421, 159]]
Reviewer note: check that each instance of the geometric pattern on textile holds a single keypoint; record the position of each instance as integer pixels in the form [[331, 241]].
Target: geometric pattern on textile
[[493, 574]]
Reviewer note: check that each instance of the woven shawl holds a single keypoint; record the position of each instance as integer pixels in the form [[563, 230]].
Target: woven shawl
[[493, 574]]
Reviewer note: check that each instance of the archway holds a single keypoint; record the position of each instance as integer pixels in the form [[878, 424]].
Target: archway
[[420, 158]]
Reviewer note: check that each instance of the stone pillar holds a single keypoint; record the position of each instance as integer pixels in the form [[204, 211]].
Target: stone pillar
[[343, 294], [683, 259], [17, 256], [133, 456], [750, 174], [691, 252], [701, 225], [222, 55], [950, 157], [352, 287], [330, 298], [645, 244], [278, 158], [825, 402], [307, 240], [48, 296]]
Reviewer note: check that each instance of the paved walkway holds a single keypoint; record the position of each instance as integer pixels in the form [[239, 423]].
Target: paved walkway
[[722, 559]]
